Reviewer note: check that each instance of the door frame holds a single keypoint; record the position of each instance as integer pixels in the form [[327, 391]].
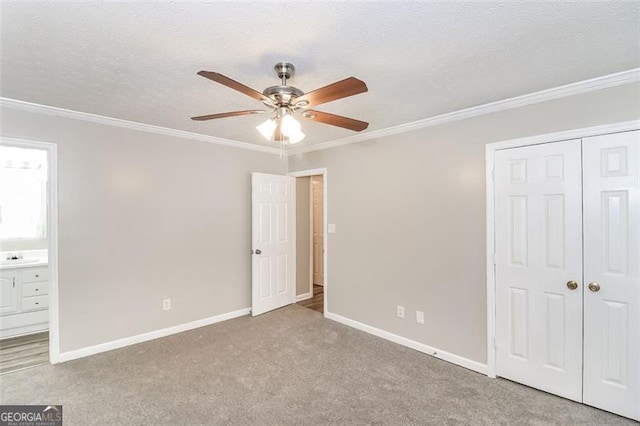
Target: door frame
[[311, 216], [325, 191], [490, 151], [52, 226]]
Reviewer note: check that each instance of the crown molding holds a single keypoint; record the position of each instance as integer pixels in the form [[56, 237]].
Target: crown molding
[[585, 86], [598, 83], [584, 132], [117, 122]]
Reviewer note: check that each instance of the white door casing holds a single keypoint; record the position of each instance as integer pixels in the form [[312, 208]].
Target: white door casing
[[538, 238], [611, 169], [273, 242], [317, 192]]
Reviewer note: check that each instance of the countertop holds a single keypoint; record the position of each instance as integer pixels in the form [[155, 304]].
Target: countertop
[[42, 261]]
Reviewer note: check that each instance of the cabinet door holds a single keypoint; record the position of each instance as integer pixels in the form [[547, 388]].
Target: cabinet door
[[612, 254], [8, 292], [538, 235]]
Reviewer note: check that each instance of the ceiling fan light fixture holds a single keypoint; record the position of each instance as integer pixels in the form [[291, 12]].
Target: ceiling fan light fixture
[[296, 137], [285, 101], [291, 129], [290, 125], [267, 128]]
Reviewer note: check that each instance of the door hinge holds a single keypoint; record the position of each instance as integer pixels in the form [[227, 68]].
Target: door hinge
[[493, 174], [493, 258], [495, 343]]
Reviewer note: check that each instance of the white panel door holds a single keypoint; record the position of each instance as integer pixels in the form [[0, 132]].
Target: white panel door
[[538, 239], [318, 229], [273, 241], [612, 254]]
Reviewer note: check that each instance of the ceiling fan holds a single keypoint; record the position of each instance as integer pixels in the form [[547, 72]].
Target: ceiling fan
[[286, 101]]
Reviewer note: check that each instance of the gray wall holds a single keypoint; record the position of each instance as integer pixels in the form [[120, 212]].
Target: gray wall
[[303, 235], [409, 211], [144, 217]]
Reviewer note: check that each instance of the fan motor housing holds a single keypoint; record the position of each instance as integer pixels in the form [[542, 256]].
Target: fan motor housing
[[283, 95]]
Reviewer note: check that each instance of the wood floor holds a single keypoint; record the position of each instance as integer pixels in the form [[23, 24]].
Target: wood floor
[[22, 352], [317, 301]]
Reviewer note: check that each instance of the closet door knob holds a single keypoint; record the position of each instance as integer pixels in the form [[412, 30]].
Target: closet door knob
[[594, 287], [258, 251], [572, 285]]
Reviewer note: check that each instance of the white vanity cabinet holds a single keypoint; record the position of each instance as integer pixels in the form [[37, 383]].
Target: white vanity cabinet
[[8, 292], [24, 302]]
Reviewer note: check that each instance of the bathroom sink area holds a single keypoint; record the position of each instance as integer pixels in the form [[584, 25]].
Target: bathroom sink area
[[22, 261]]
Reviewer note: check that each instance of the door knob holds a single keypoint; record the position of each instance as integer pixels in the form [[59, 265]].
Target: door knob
[[594, 287], [572, 285], [258, 251]]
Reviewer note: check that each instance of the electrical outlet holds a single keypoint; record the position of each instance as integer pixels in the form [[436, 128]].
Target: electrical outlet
[[332, 228], [400, 311], [420, 317], [166, 304]]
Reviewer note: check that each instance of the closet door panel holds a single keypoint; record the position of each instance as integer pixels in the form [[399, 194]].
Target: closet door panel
[[538, 251], [612, 254]]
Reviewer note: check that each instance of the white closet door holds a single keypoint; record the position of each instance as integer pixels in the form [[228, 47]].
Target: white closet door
[[612, 255], [538, 232]]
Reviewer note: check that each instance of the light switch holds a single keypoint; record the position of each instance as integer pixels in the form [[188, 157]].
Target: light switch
[[332, 228]]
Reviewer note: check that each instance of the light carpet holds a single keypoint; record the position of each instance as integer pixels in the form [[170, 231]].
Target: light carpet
[[290, 366]]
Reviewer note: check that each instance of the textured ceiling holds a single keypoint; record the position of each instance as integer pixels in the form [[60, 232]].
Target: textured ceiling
[[138, 61]]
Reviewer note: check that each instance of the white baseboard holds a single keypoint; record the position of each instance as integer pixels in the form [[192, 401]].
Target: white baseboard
[[24, 331], [127, 341], [443, 355], [304, 296]]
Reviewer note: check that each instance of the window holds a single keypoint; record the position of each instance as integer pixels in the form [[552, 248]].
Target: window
[[23, 194]]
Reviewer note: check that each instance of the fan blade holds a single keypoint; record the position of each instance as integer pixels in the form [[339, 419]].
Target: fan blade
[[232, 84], [338, 90], [228, 114], [335, 120]]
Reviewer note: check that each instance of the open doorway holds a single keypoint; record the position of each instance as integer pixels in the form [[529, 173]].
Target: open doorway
[[311, 239], [317, 231], [24, 317], [27, 254]]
